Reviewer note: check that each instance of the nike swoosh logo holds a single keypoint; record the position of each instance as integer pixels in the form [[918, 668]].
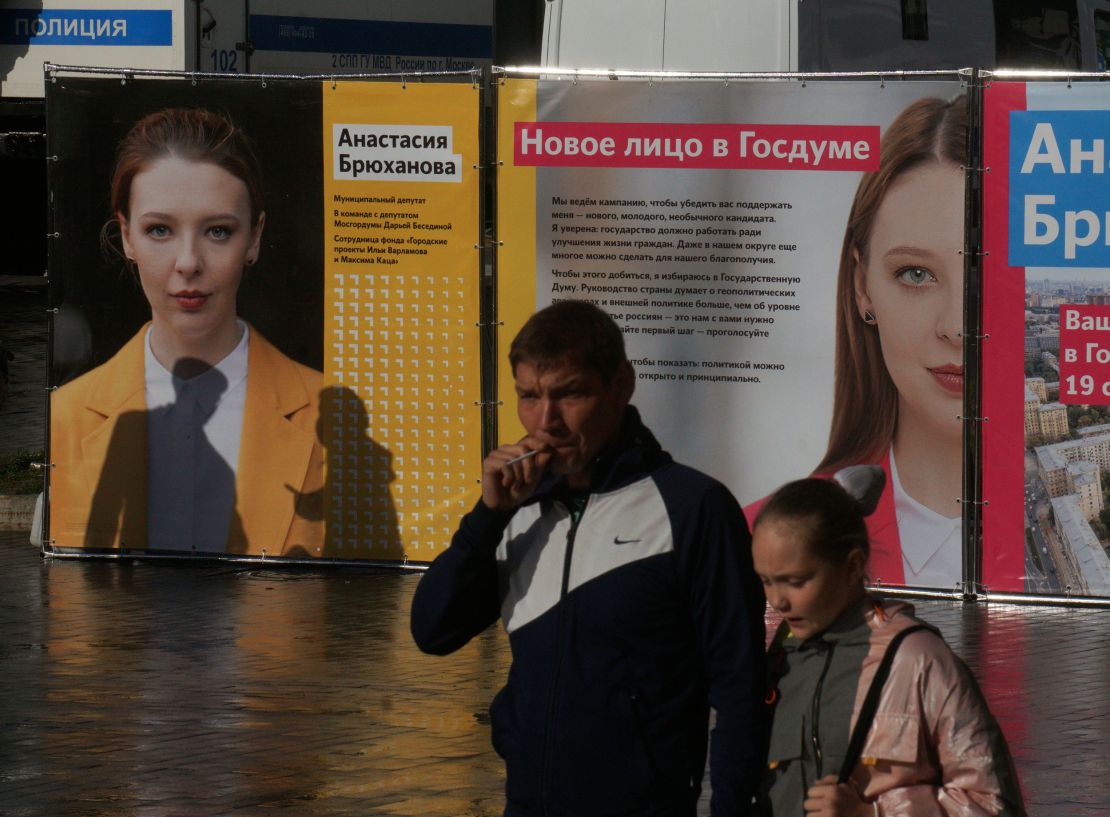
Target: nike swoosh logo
[[618, 541]]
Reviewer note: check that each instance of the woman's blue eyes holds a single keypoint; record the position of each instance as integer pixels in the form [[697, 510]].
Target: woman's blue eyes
[[218, 232], [914, 276]]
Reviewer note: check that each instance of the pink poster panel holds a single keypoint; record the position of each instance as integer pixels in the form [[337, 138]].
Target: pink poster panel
[[1046, 354]]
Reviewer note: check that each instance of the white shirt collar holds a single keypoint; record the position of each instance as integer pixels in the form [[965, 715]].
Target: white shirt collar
[[931, 542], [206, 388]]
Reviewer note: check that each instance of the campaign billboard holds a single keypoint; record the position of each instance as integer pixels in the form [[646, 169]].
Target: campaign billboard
[[786, 259], [1046, 315], [264, 296]]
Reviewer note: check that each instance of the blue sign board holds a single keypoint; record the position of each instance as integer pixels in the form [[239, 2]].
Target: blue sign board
[[114, 27], [1059, 178]]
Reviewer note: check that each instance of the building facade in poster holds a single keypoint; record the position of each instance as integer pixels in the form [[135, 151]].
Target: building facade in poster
[[1046, 297]]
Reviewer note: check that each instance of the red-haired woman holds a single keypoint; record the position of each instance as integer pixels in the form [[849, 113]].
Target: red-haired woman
[[198, 436]]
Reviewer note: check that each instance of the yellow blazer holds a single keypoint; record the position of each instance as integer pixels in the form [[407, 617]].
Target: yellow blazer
[[279, 451]]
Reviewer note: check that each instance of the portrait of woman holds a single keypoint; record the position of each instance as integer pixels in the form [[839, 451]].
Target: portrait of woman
[[899, 368], [898, 393], [198, 435]]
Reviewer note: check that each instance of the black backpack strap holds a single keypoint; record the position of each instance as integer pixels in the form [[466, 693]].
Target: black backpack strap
[[871, 703]]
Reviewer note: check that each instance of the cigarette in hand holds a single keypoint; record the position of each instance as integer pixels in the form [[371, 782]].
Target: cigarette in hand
[[523, 456]]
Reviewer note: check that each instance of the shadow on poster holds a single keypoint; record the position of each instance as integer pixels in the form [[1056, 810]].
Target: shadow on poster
[[186, 271]]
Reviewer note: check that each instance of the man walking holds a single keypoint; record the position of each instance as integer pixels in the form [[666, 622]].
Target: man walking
[[625, 583]]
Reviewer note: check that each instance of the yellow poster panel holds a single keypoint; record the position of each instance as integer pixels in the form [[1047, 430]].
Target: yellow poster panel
[[401, 351], [516, 254]]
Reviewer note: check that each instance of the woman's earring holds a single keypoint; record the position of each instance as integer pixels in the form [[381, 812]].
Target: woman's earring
[[869, 317], [250, 262]]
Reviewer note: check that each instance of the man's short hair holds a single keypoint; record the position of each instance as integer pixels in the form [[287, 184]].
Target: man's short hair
[[570, 332]]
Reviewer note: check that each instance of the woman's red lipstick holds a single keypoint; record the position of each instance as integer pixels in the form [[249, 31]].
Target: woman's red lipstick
[[950, 378], [190, 299]]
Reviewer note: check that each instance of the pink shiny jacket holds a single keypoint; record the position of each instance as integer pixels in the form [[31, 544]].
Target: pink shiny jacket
[[934, 748]]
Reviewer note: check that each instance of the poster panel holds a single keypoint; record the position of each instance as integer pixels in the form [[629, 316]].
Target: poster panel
[[221, 379], [402, 265], [1046, 363], [770, 341]]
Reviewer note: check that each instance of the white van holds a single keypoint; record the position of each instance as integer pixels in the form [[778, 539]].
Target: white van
[[825, 35]]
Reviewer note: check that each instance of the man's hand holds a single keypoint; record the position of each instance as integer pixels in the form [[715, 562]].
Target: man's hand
[[827, 798], [506, 484]]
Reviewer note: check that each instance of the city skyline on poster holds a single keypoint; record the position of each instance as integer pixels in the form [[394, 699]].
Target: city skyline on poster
[[1046, 368]]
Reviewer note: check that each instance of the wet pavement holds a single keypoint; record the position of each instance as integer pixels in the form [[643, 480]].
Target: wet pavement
[[159, 689]]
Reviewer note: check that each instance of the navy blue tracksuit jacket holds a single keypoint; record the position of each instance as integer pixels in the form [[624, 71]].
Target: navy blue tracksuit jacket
[[625, 626]]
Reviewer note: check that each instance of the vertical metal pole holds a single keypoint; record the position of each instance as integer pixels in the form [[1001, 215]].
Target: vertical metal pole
[[249, 45], [52, 303], [196, 34], [489, 143], [973, 321]]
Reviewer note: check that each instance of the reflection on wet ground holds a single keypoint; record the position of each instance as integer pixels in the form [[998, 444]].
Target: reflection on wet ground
[[158, 689]]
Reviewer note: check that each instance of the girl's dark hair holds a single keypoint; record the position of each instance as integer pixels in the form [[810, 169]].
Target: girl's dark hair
[[828, 514]]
